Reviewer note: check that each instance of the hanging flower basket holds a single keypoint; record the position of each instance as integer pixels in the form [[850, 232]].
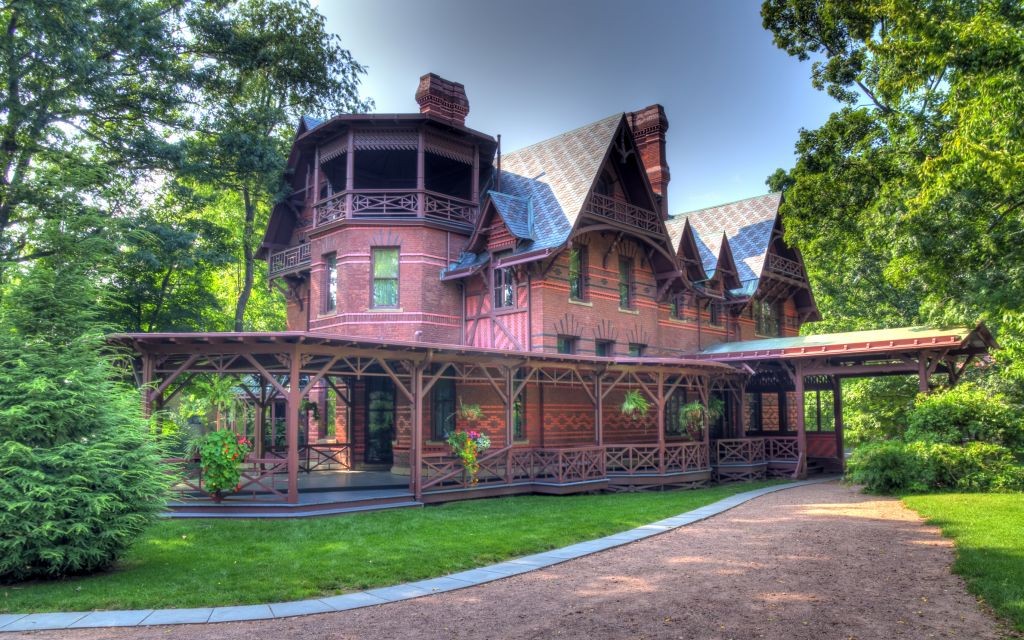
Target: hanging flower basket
[[635, 405]]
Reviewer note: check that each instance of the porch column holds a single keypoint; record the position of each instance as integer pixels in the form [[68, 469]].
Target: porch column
[[292, 426], [660, 400], [922, 372], [599, 407], [261, 405], [350, 172], [837, 415], [509, 407], [147, 381], [417, 431], [801, 433], [703, 390]]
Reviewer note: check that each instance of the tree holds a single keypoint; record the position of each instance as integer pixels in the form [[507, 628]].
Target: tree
[[264, 64], [81, 479], [909, 201], [88, 86]]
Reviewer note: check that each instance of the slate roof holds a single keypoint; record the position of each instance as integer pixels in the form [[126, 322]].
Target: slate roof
[[311, 122], [516, 212], [552, 177], [747, 223]]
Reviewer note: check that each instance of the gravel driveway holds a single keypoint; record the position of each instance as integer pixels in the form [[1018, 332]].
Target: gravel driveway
[[819, 561]]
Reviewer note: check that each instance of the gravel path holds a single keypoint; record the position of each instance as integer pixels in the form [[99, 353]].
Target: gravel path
[[820, 561]]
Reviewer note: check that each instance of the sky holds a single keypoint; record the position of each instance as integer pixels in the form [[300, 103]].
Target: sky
[[536, 68]]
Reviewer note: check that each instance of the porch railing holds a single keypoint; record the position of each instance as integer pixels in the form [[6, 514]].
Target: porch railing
[[680, 457], [289, 260], [393, 203], [508, 466], [739, 451], [319, 456], [258, 475], [782, 449]]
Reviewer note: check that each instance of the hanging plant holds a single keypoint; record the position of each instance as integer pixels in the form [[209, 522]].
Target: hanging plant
[[307, 406], [470, 412], [692, 416], [635, 405]]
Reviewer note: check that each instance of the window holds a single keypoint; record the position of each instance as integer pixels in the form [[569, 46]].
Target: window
[[818, 411], [578, 273], [504, 288], [385, 277], [604, 348], [567, 344], [442, 409], [715, 318], [519, 410], [766, 318], [330, 282], [755, 421], [678, 306], [673, 413], [636, 350], [625, 283]]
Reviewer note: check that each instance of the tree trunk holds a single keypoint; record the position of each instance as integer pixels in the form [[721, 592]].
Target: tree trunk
[[247, 258]]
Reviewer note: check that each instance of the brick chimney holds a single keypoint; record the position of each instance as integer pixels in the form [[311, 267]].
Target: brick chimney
[[442, 99], [649, 126]]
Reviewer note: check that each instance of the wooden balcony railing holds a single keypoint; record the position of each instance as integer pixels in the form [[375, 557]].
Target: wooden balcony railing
[[739, 451], [291, 260], [393, 203], [784, 267], [507, 466], [781, 449], [623, 213]]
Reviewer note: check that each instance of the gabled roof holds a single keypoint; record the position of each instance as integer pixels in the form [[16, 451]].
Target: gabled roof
[[684, 242], [310, 123], [746, 223], [515, 212]]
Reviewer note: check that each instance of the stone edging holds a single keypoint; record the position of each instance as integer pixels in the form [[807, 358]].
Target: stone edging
[[383, 595]]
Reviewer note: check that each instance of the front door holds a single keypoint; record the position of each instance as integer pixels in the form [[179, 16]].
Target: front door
[[380, 420]]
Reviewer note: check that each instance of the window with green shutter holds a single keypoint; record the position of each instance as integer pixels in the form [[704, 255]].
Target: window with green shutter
[[385, 278]]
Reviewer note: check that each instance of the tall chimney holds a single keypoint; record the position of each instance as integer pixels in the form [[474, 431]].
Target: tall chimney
[[649, 126], [442, 99]]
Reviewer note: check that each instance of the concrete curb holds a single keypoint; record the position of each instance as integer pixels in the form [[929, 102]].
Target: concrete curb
[[372, 597]]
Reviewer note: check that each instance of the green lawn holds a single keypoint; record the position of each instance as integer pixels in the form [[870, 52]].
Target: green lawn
[[190, 563], [989, 533]]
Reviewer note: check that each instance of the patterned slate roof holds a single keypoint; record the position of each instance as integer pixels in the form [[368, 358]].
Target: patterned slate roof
[[747, 223], [311, 122], [516, 212]]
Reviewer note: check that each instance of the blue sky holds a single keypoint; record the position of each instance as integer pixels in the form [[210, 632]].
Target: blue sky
[[535, 68]]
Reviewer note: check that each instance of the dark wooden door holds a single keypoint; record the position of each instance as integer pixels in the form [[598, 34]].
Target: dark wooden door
[[380, 420]]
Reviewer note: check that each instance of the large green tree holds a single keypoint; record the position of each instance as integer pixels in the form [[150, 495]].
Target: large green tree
[[264, 63], [909, 201]]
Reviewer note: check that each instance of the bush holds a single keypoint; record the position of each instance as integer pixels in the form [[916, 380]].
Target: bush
[[80, 478], [966, 413], [895, 467]]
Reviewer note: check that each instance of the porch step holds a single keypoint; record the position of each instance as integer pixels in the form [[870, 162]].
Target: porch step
[[293, 512]]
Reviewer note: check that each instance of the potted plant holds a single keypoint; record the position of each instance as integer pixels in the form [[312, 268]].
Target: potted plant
[[692, 416], [635, 405], [470, 412], [467, 447], [221, 454]]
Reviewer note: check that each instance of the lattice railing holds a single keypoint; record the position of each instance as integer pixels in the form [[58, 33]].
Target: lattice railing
[[632, 459], [326, 456], [684, 457], [392, 203], [784, 266], [782, 449], [506, 466], [257, 476], [291, 259], [739, 451], [447, 472], [623, 213]]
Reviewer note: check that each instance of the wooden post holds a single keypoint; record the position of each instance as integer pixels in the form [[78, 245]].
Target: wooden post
[[599, 408], [260, 409], [509, 407], [801, 433], [837, 413], [475, 189], [660, 400], [417, 432], [292, 426], [350, 172], [922, 372], [147, 381]]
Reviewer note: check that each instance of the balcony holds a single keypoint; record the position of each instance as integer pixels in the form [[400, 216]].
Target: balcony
[[623, 213], [398, 204], [784, 267], [289, 261]]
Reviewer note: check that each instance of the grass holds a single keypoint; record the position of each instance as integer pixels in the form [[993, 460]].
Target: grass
[[195, 563], [988, 529]]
